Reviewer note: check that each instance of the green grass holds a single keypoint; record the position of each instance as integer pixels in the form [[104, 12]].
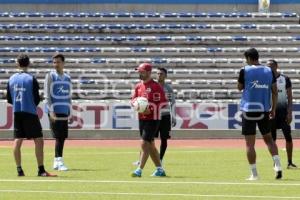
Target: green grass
[[104, 173]]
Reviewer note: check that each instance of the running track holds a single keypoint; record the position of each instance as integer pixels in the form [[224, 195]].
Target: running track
[[197, 143]]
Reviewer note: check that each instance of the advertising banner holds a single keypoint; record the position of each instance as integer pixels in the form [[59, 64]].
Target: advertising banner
[[120, 115]]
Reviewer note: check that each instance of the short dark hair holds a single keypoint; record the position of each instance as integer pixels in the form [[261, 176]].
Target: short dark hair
[[163, 69], [274, 62], [23, 60], [59, 55], [252, 53]]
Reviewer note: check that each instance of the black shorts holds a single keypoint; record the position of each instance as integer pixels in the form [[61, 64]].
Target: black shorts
[[59, 128], [27, 125], [148, 129], [250, 119], [164, 127], [280, 123]]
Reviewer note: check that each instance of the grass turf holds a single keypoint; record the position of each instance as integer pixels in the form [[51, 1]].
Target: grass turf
[[104, 173]]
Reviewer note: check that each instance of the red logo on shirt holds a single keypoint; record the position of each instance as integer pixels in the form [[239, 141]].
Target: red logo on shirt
[[148, 90]]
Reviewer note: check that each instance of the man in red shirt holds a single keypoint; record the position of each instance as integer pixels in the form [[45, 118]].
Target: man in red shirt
[[150, 119]]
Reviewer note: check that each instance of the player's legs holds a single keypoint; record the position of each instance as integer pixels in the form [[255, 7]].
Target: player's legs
[[157, 162], [272, 147], [39, 153], [164, 129], [148, 130], [286, 130], [151, 129], [149, 149], [59, 130], [154, 154], [39, 150], [273, 129], [59, 146], [145, 148], [33, 129], [249, 132], [17, 155], [19, 134], [250, 149], [163, 148], [265, 129]]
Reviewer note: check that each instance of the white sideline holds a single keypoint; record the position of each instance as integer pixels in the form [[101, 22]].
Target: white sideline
[[151, 182], [150, 194]]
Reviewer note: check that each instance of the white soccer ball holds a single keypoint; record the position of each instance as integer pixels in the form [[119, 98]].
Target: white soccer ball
[[140, 104]]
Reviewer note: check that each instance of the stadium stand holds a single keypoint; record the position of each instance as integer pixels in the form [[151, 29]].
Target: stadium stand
[[203, 51]]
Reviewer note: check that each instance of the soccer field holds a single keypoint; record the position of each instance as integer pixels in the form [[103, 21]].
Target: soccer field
[[104, 173]]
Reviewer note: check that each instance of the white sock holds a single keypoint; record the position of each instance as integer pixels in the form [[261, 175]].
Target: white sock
[[253, 169], [276, 160]]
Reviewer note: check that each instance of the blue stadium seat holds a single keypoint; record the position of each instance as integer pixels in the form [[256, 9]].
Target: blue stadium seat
[[7, 61], [109, 15], [87, 81], [49, 15], [5, 14], [159, 60], [138, 49], [194, 38], [153, 15], [138, 15], [214, 50], [239, 38], [133, 38], [168, 15], [98, 61], [123, 15], [55, 26], [5, 49], [287, 15], [200, 15], [248, 26], [36, 14], [215, 15], [185, 15]]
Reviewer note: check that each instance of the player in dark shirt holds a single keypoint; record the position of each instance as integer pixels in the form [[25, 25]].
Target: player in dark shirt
[[283, 116]]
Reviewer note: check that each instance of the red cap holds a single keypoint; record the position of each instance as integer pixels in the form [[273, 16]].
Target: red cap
[[144, 67]]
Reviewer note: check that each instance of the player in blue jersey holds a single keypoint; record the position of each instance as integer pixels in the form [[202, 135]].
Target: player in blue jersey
[[283, 116], [23, 94], [258, 84], [58, 106]]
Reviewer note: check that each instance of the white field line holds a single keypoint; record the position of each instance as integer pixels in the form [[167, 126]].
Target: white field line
[[150, 182], [151, 194]]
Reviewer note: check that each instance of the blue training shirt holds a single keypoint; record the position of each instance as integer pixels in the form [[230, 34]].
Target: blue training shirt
[[257, 81], [23, 92], [58, 93]]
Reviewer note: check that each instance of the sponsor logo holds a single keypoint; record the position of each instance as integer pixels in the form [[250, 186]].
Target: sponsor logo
[[255, 84], [61, 90], [19, 89]]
